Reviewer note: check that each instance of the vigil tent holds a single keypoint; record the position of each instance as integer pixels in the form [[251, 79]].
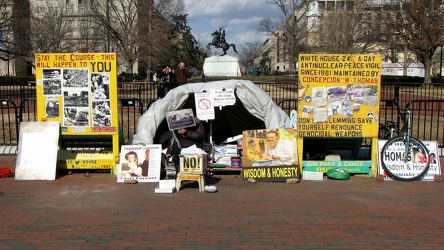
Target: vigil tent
[[253, 109]]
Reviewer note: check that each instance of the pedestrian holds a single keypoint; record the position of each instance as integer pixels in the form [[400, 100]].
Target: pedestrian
[[182, 74], [168, 81]]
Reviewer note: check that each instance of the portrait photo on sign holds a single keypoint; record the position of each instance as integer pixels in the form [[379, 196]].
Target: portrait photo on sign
[[52, 108], [141, 163], [269, 147], [178, 119]]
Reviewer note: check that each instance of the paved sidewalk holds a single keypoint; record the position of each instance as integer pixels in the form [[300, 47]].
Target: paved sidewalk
[[96, 212]]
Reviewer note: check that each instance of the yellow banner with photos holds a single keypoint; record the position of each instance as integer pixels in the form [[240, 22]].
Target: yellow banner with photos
[[79, 90], [338, 95]]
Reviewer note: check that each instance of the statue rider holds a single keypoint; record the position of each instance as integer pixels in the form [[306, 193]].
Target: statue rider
[[219, 41], [222, 37], [219, 37]]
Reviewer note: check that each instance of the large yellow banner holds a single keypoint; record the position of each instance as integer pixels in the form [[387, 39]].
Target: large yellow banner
[[339, 95], [79, 90]]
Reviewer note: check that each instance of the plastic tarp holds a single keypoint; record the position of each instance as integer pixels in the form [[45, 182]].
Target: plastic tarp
[[254, 109]]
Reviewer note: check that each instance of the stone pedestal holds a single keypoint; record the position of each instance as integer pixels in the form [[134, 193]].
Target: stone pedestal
[[221, 66]]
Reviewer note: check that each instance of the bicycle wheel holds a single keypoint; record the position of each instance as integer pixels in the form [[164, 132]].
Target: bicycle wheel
[[393, 159]]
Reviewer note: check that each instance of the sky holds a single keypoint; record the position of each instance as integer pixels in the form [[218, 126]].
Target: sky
[[239, 18]]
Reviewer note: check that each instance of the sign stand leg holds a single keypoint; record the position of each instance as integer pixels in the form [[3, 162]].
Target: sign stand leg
[[211, 141]]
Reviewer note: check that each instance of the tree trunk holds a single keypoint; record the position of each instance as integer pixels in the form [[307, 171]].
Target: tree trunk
[[129, 67], [427, 65]]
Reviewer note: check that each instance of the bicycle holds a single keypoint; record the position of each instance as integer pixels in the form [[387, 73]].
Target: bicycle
[[404, 157], [388, 130]]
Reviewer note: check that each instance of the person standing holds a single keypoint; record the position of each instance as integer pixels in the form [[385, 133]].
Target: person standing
[[168, 81], [182, 74]]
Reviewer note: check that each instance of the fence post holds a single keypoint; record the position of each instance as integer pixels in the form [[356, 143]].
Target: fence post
[[396, 92]]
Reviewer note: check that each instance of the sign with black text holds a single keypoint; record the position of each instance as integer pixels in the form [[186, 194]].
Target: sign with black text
[[435, 166], [141, 163]]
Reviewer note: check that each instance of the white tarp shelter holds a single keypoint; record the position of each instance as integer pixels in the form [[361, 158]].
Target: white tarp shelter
[[254, 109]]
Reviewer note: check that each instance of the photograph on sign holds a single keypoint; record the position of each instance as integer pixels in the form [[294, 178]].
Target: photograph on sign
[[101, 114], [75, 91], [434, 168], [274, 147], [52, 108], [141, 163], [100, 86], [178, 119]]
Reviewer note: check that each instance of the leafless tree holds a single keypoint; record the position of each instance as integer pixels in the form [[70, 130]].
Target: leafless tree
[[119, 19], [136, 29], [419, 25], [6, 29], [49, 30], [7, 45], [295, 26], [348, 30], [91, 38], [169, 8], [248, 53]]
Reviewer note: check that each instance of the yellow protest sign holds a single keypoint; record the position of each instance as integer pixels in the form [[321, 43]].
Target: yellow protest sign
[[340, 95], [79, 90]]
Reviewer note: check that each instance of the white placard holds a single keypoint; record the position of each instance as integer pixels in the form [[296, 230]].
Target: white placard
[[223, 97], [141, 163], [435, 166], [204, 106], [37, 151]]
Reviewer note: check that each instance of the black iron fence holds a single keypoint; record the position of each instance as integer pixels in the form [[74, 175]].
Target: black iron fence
[[18, 103]]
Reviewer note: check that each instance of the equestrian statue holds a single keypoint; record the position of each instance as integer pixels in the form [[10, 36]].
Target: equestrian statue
[[219, 41]]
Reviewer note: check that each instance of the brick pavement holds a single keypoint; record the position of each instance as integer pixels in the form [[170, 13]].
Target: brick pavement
[[96, 212]]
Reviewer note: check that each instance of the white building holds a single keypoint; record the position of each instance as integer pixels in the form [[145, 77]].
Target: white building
[[397, 69], [273, 48]]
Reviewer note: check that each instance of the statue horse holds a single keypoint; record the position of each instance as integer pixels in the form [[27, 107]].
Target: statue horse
[[220, 43]]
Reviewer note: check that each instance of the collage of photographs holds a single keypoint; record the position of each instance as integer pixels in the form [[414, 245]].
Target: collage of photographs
[[341, 101], [78, 108]]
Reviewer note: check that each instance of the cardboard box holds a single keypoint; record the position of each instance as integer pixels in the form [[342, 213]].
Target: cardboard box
[[195, 164]]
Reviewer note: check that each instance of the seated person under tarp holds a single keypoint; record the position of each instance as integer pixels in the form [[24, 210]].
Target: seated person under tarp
[[184, 138]]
